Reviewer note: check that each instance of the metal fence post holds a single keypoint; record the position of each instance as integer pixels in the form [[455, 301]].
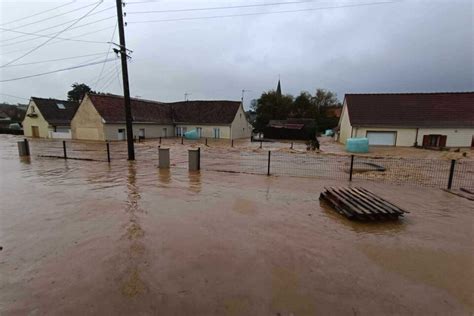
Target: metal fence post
[[160, 140], [451, 174], [108, 151], [260, 144], [268, 166], [352, 167], [291, 145], [182, 140], [232, 143], [199, 158], [27, 147], [64, 149]]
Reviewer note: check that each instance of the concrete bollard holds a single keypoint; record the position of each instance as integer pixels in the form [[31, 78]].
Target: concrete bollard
[[23, 148], [163, 158], [194, 159]]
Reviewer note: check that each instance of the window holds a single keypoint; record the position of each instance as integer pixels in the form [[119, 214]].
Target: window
[[61, 106], [32, 109], [217, 132]]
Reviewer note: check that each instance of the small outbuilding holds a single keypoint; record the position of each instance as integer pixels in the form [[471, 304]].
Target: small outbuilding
[[297, 129]]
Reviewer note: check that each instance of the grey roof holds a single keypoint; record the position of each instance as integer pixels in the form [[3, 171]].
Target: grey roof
[[53, 114]]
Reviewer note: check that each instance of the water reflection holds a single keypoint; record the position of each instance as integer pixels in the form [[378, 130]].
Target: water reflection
[[194, 178], [377, 228], [164, 176], [25, 160], [133, 195]]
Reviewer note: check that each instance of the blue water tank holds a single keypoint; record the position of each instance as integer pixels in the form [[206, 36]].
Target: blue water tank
[[192, 134], [357, 145], [329, 132]]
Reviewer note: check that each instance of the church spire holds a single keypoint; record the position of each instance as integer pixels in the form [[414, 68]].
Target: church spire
[[278, 91]]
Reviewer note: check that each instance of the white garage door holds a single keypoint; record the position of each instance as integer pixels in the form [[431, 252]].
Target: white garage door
[[382, 138]]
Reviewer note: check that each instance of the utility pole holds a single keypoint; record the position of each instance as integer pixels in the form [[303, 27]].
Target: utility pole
[[126, 88]]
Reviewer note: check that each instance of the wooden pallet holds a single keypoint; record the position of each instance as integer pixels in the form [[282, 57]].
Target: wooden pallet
[[360, 204]]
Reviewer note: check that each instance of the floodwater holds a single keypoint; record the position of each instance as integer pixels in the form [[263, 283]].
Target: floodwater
[[88, 237]]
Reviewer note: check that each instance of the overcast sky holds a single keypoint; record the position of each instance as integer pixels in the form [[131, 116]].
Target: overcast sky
[[404, 46]]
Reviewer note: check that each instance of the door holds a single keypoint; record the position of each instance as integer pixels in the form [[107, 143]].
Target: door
[[141, 133], [164, 133], [35, 131], [121, 134], [199, 131], [217, 133], [382, 138]]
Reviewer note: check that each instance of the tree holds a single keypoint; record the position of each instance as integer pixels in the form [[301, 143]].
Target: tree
[[324, 98], [78, 92], [271, 106], [303, 106]]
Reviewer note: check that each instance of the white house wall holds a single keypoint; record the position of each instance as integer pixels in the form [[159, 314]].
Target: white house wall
[[241, 128], [456, 137], [207, 130], [151, 130], [406, 137], [344, 125]]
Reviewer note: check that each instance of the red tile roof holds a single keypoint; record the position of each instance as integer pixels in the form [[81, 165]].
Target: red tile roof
[[111, 108], [205, 112], [449, 109]]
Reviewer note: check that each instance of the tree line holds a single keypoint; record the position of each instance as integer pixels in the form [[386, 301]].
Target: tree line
[[272, 105]]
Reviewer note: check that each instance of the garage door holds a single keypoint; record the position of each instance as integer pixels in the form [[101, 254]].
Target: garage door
[[382, 138]]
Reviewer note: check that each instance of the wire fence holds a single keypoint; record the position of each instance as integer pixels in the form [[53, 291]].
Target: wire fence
[[424, 172], [455, 174]]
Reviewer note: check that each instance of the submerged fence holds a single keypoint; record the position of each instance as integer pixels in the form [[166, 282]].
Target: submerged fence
[[426, 172], [438, 173]]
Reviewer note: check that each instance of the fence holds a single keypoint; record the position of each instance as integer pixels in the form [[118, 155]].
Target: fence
[[426, 172]]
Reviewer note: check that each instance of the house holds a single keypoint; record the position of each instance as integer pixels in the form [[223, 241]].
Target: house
[[211, 119], [409, 119], [302, 129], [49, 118], [102, 117]]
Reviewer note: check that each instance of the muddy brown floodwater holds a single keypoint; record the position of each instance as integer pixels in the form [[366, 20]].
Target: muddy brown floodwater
[[83, 237]]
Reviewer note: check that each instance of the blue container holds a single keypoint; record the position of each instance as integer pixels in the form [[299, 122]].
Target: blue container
[[192, 134], [357, 145]]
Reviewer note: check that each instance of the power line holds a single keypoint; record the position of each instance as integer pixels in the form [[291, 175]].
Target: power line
[[107, 55], [51, 60], [52, 17], [14, 96], [59, 41], [263, 13], [61, 24], [222, 8], [39, 13], [55, 71], [57, 34], [38, 35]]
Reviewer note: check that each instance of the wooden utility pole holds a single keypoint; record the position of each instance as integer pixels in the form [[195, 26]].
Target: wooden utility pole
[[126, 88]]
